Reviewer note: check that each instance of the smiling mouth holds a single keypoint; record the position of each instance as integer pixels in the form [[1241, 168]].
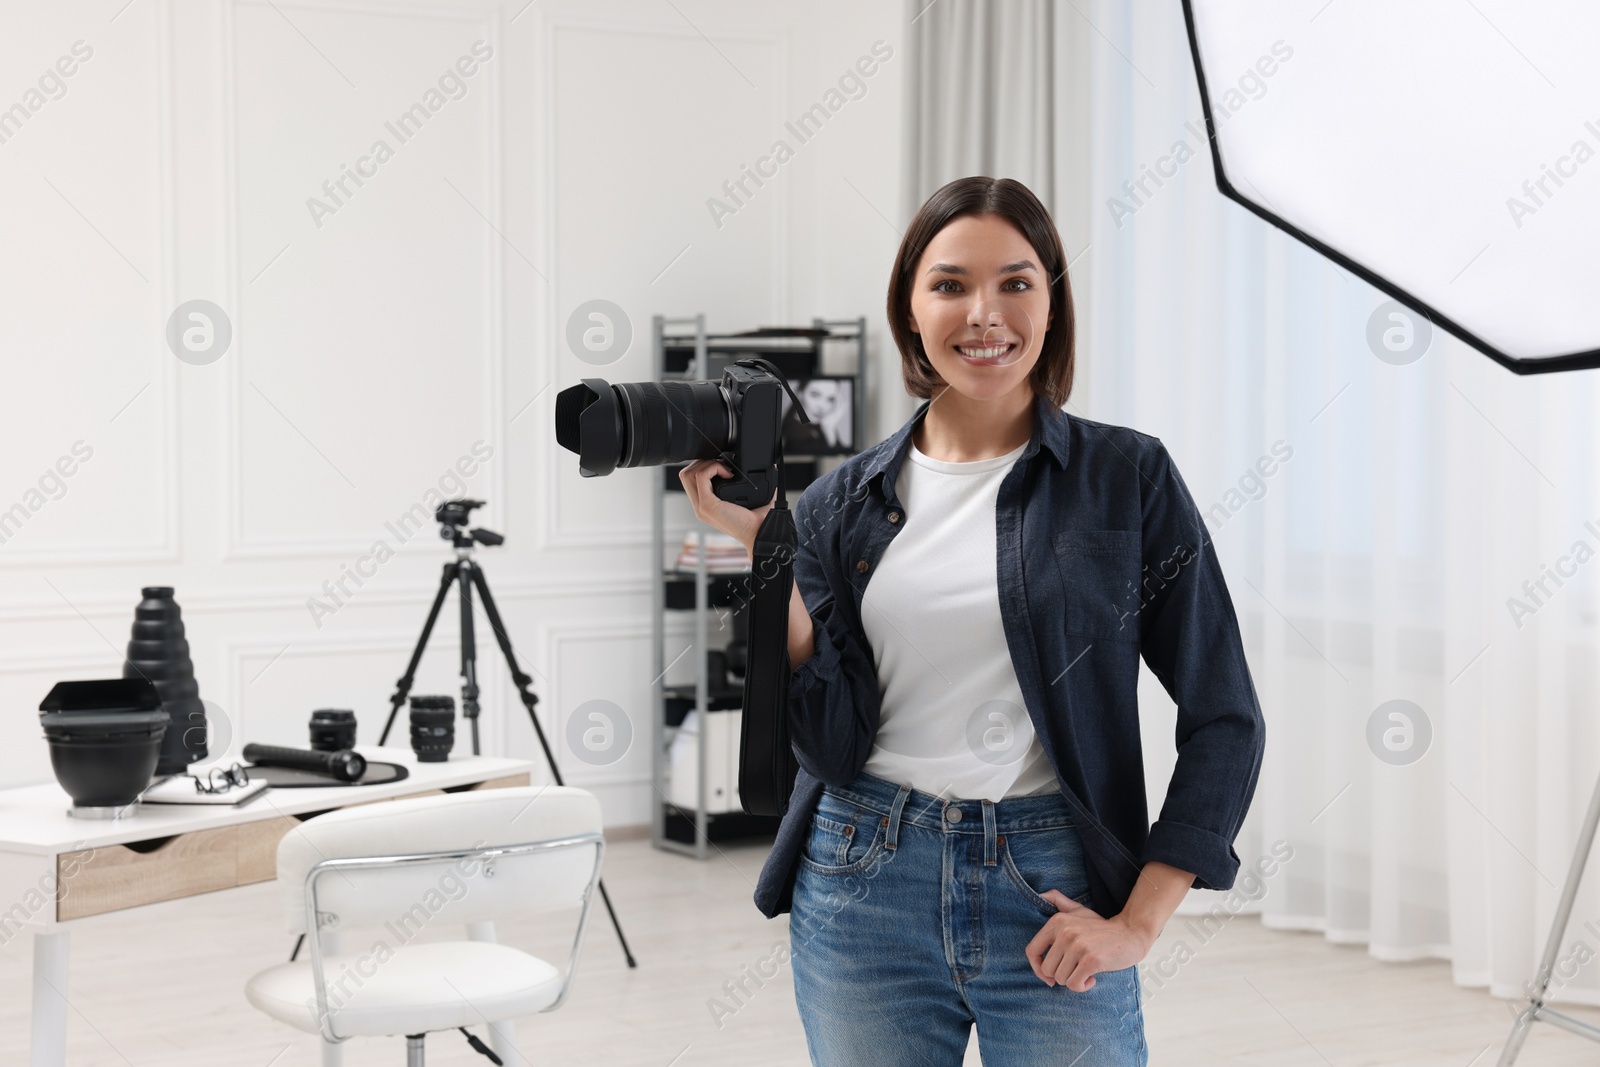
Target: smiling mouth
[[987, 355]]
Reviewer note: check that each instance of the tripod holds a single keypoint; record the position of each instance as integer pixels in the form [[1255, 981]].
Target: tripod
[[465, 573]]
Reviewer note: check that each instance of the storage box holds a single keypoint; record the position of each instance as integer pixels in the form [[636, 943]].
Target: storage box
[[722, 761]]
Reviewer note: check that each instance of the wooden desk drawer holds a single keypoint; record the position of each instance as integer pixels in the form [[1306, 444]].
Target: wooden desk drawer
[[113, 877], [258, 848], [507, 782]]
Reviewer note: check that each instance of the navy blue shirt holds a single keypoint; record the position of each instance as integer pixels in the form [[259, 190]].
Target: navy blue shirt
[[1101, 557]]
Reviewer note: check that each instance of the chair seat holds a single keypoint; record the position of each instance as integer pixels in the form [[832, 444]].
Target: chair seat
[[418, 988]]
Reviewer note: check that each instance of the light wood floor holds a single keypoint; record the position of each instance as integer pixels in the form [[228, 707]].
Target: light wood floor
[[169, 993]]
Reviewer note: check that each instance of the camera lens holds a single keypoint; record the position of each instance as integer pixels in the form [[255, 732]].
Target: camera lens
[[641, 424], [433, 727], [333, 729]]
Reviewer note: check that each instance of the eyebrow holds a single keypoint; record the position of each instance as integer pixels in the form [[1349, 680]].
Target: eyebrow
[[1009, 268]]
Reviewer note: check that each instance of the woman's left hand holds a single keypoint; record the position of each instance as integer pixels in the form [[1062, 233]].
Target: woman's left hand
[[1077, 943]]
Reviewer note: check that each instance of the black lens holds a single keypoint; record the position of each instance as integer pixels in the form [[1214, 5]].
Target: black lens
[[333, 729], [433, 727], [642, 424], [673, 422]]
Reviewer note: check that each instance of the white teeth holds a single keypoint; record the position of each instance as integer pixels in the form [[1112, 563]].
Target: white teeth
[[984, 353]]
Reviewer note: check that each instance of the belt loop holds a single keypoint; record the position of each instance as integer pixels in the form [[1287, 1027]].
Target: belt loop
[[894, 815], [988, 834]]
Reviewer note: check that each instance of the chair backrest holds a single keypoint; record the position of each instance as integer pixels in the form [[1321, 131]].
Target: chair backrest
[[405, 896]]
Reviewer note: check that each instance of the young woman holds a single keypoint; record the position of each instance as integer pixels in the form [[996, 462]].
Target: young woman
[[967, 842]]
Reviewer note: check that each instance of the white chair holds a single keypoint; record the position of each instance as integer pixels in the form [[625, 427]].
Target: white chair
[[394, 868]]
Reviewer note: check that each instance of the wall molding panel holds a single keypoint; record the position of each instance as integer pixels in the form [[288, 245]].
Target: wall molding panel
[[241, 545], [562, 368], [163, 384]]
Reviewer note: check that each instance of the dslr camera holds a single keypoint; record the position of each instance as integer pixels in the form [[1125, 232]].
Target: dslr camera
[[640, 424]]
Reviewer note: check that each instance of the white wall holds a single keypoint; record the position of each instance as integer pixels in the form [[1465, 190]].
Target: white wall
[[374, 347]]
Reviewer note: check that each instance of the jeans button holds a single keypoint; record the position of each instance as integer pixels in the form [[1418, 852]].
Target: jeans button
[[953, 814], [861, 567]]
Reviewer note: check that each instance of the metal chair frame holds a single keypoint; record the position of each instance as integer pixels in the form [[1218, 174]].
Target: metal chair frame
[[316, 920]]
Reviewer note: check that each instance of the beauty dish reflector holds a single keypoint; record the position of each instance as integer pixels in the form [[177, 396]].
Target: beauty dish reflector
[[1448, 153]]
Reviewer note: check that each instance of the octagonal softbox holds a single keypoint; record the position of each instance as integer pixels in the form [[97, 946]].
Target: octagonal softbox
[[1446, 151]]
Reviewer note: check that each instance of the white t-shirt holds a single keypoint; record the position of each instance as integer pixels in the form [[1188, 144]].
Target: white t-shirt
[[953, 722]]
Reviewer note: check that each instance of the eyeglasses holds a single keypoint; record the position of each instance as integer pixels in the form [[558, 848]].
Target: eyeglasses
[[220, 780]]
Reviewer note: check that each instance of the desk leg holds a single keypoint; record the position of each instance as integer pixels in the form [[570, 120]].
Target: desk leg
[[502, 1035], [49, 1045]]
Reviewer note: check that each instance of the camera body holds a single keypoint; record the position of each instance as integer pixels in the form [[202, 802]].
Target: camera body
[[636, 424]]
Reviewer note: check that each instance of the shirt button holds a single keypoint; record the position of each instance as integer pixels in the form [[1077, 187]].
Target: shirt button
[[894, 516], [953, 814], [861, 567]]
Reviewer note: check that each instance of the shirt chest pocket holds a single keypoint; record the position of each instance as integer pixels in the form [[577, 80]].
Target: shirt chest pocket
[[1100, 571]]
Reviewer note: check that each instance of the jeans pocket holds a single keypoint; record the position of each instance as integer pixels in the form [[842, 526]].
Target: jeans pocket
[[843, 837], [1041, 860]]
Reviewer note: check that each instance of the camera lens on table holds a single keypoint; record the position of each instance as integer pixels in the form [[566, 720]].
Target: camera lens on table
[[333, 729], [433, 727]]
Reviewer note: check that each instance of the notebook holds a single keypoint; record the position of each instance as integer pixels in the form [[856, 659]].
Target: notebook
[[179, 789]]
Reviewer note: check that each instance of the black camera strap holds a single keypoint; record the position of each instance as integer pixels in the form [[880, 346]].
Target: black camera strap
[[767, 765], [767, 762]]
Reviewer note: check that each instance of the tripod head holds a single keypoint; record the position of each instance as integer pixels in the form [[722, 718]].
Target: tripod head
[[452, 515]]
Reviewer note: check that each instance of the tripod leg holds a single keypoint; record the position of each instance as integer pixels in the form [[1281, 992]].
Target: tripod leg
[[528, 701], [403, 686], [469, 654], [518, 677]]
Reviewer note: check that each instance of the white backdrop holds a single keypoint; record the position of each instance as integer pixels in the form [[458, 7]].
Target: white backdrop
[[1374, 521]]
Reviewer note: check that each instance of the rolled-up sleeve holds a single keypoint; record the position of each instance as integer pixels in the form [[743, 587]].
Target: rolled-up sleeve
[[834, 698], [1189, 637]]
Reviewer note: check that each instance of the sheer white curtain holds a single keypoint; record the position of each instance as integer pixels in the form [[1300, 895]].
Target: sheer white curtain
[[1402, 511], [980, 96], [1377, 522]]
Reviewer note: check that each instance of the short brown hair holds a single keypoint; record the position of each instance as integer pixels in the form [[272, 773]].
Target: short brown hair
[[1011, 200]]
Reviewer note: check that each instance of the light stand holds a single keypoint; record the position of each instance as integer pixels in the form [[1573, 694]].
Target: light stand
[[1534, 1008], [465, 574]]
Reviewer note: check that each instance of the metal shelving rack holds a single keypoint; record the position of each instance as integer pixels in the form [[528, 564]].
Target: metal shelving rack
[[700, 369]]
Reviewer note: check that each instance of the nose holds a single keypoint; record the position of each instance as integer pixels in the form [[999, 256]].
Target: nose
[[985, 318]]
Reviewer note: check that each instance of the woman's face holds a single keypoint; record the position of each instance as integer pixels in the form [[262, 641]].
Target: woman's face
[[981, 302], [820, 398]]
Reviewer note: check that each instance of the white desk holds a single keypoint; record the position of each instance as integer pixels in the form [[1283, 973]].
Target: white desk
[[58, 872]]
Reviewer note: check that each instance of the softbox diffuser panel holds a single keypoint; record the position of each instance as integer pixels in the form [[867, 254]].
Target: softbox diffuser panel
[[1447, 151]]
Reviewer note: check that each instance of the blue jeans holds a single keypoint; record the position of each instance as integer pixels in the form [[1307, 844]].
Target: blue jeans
[[909, 923]]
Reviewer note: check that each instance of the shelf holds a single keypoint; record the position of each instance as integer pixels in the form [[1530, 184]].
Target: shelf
[[777, 337], [723, 590], [720, 826], [796, 363], [710, 764], [679, 701]]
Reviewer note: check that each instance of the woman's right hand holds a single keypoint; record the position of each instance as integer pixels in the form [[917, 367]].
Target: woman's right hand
[[732, 519]]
